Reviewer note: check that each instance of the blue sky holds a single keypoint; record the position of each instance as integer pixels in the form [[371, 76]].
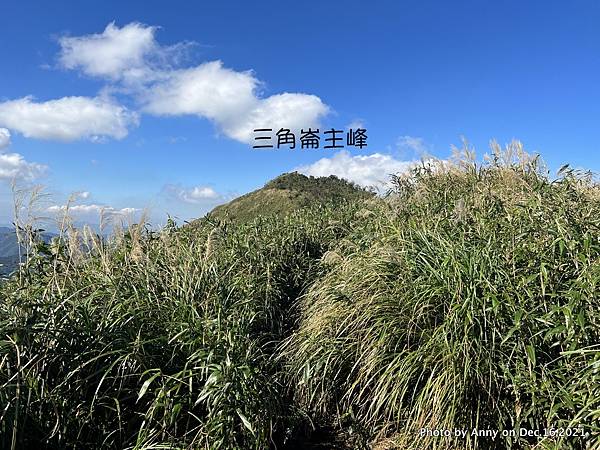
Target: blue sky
[[148, 104]]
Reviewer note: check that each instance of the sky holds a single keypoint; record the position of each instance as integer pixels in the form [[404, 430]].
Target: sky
[[150, 106]]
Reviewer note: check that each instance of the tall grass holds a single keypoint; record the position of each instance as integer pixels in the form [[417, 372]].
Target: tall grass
[[471, 303], [468, 298], [156, 340]]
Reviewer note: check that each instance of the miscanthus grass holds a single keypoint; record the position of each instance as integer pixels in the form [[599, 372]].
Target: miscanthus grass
[[470, 302], [156, 340], [466, 299]]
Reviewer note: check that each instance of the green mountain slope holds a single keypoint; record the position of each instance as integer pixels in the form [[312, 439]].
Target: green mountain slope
[[289, 192]]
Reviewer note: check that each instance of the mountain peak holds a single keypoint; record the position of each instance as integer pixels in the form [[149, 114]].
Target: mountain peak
[[289, 192]]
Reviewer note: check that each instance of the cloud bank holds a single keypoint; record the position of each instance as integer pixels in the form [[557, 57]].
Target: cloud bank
[[131, 58], [366, 170], [115, 53], [13, 166], [67, 119], [199, 195], [93, 209], [4, 138]]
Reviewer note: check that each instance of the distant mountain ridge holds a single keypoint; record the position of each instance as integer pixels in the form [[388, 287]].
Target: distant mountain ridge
[[9, 249], [282, 195], [289, 192]]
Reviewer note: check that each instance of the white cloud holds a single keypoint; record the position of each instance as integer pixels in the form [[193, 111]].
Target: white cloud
[[208, 90], [114, 53], [201, 193], [129, 54], [287, 110], [415, 144], [14, 166], [366, 170], [131, 58], [195, 195], [4, 138], [229, 99], [68, 118], [355, 124], [93, 209]]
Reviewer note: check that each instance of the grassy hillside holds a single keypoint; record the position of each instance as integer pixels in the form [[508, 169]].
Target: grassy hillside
[[290, 192], [466, 300]]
